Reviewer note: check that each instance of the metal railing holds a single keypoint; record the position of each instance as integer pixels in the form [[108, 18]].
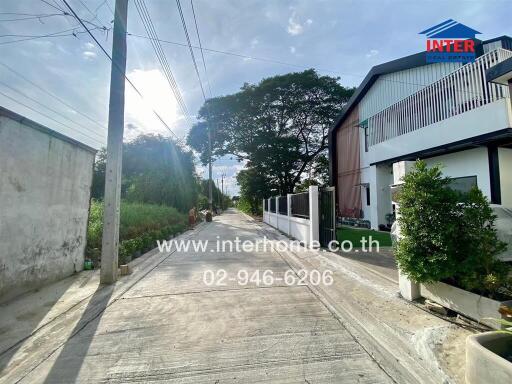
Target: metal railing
[[273, 204], [283, 205], [300, 205], [460, 91]]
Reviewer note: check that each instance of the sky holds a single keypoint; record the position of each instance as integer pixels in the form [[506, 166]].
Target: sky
[[337, 37]]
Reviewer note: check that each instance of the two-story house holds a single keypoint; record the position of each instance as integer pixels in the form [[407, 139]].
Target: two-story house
[[408, 109]]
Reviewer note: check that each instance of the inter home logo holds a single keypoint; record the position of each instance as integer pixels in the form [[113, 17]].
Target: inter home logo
[[450, 41]]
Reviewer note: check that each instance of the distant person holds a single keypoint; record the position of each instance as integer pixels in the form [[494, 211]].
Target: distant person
[[192, 217]]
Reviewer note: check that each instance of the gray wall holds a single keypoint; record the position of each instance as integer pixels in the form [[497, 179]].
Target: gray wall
[[45, 182]]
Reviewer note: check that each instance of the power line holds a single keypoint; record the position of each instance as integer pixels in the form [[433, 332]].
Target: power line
[[48, 108], [119, 69], [63, 33], [160, 54], [242, 56], [49, 117], [184, 24], [201, 48], [52, 5], [52, 95], [27, 16]]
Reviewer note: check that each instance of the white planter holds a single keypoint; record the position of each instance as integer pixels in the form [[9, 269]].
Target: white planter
[[483, 361], [469, 304]]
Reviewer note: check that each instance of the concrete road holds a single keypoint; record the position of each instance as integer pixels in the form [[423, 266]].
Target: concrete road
[[165, 324]]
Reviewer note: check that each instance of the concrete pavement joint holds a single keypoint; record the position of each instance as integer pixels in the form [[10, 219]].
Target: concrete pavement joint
[[209, 291], [195, 230]]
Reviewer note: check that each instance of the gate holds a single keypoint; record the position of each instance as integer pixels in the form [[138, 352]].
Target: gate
[[327, 219]]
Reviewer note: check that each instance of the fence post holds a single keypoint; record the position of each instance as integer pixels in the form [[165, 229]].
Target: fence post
[[277, 211], [314, 230], [289, 213], [263, 207]]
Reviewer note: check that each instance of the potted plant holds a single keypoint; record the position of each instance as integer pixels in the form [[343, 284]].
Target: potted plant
[[489, 354]]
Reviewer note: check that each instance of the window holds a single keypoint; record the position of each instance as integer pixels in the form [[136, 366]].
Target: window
[[463, 184], [368, 196]]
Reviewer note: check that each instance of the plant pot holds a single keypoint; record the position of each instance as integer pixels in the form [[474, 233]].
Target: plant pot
[[469, 304], [486, 360]]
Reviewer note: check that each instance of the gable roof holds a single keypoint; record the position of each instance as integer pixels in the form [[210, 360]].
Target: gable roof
[[407, 62], [450, 29]]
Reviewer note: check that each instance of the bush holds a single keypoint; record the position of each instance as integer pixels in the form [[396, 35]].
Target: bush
[[447, 235], [141, 225]]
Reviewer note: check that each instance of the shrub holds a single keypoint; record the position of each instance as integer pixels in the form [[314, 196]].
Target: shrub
[[140, 226], [447, 235]]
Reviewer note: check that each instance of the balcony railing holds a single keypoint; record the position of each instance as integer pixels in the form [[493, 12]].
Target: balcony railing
[[462, 90]]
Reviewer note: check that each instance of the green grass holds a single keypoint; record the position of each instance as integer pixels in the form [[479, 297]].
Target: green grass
[[356, 234], [140, 226]]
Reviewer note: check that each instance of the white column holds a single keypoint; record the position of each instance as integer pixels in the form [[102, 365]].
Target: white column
[[409, 289], [314, 231]]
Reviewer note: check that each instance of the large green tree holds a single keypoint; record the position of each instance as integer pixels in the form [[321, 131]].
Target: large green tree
[[155, 170], [279, 126]]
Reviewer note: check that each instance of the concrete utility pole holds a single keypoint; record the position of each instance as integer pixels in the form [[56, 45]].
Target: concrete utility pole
[[218, 196], [112, 199], [210, 199], [222, 193]]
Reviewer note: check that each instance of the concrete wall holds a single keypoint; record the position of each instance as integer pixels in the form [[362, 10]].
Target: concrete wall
[[505, 159], [45, 181]]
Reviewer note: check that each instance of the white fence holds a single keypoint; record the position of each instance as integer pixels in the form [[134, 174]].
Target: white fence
[[303, 226], [462, 90]]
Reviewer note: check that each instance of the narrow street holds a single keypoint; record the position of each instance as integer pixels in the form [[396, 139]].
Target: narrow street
[[163, 323]]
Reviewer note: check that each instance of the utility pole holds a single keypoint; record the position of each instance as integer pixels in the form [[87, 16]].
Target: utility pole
[[210, 200], [222, 193], [218, 196], [112, 199]]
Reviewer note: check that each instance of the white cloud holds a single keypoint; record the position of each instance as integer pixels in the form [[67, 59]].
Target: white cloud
[[295, 27], [89, 46], [372, 53], [293, 50], [89, 55], [254, 42]]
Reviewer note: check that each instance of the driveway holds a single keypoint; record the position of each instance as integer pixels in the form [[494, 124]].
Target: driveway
[[165, 323]]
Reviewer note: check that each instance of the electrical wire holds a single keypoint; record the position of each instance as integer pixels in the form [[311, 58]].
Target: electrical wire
[[117, 67], [63, 33], [53, 96], [184, 24], [160, 54], [48, 108], [27, 16], [50, 118], [201, 48]]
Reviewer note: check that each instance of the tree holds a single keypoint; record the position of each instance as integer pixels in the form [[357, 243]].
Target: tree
[[254, 187], [279, 126], [155, 170]]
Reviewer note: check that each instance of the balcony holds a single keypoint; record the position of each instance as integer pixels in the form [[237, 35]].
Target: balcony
[[461, 91], [458, 106]]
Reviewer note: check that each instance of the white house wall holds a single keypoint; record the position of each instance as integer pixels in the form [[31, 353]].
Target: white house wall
[[473, 162], [486, 119], [393, 87], [505, 161]]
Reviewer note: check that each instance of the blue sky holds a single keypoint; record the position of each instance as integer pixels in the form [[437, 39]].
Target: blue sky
[[339, 38]]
